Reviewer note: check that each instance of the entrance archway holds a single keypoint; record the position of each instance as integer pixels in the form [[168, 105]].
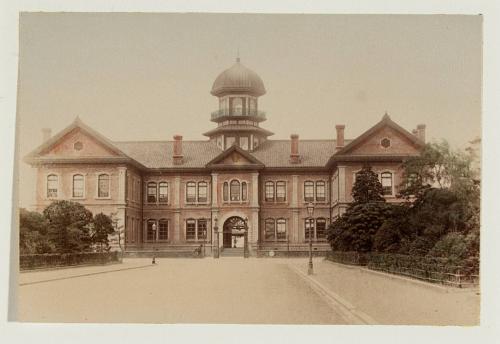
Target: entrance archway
[[233, 232]]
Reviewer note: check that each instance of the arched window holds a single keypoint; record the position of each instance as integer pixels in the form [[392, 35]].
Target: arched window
[[78, 186], [163, 229], [190, 229], [320, 191], [280, 191], [235, 190], [163, 192], [202, 192], [252, 104], [151, 230], [321, 228], [151, 192], [244, 191], [225, 192], [386, 180], [281, 229], [270, 231], [269, 191], [191, 192], [309, 191], [52, 185], [103, 185]]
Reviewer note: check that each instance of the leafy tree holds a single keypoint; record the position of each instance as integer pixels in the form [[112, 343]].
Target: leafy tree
[[68, 226], [367, 187], [102, 226], [33, 233]]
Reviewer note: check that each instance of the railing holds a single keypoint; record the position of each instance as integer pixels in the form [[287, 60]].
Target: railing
[[431, 269], [261, 115]]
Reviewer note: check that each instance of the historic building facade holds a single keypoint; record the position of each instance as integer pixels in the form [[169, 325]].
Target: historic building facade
[[169, 196]]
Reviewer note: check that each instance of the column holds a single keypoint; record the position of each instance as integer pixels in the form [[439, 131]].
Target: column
[[255, 190], [121, 204], [215, 198]]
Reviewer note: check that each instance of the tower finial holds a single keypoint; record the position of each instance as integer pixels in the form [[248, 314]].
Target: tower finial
[[238, 54]]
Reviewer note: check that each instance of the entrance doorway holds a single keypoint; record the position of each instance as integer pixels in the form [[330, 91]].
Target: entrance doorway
[[233, 232]]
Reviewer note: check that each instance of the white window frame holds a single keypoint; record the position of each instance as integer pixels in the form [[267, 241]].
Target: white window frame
[[97, 174], [84, 175], [46, 186]]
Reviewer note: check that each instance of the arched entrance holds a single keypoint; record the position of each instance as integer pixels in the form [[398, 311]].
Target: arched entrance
[[233, 232]]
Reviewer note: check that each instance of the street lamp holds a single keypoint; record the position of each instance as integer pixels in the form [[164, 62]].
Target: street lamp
[[310, 212], [154, 242], [216, 239], [245, 239]]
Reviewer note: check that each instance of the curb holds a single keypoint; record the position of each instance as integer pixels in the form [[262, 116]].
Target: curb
[[83, 275], [347, 311]]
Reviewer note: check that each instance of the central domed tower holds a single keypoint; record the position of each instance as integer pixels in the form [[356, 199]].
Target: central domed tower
[[238, 89]]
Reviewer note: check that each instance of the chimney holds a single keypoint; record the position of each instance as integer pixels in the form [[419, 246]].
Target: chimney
[[46, 134], [340, 136], [421, 132], [178, 157], [294, 149]]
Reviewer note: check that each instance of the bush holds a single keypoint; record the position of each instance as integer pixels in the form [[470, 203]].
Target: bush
[[452, 246]]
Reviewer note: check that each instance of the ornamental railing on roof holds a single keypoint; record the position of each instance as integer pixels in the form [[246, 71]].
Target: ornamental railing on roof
[[260, 115]]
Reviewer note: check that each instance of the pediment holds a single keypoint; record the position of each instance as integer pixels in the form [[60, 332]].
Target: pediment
[[385, 141], [235, 157]]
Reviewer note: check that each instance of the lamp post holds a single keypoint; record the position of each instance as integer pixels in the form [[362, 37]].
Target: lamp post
[[245, 239], [154, 242], [310, 212], [216, 239]]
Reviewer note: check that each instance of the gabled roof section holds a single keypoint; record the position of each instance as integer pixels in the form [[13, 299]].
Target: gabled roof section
[[346, 153], [113, 153], [235, 158]]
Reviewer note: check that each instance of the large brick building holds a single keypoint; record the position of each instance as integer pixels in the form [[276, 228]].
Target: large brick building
[[169, 195]]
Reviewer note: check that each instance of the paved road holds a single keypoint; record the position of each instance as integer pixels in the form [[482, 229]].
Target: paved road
[[230, 290]]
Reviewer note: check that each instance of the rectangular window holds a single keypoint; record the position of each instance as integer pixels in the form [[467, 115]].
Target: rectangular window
[[320, 191], [309, 228], [150, 234], [163, 192], [191, 192], [151, 192], [52, 184], [281, 229], [202, 192], [244, 142], [235, 190], [269, 230], [386, 180], [202, 229], [281, 191], [163, 230], [321, 228], [190, 229], [103, 185], [269, 191], [244, 192], [309, 191], [78, 186]]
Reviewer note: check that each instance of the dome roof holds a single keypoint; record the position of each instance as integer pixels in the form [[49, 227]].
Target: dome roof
[[238, 79]]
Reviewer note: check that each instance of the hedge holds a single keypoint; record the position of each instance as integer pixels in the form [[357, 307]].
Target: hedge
[[38, 261]]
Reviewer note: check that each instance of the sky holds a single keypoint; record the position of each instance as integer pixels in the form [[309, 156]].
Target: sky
[[148, 76]]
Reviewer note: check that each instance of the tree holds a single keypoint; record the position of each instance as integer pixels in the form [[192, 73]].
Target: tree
[[33, 233], [68, 226], [102, 226], [355, 229], [367, 187]]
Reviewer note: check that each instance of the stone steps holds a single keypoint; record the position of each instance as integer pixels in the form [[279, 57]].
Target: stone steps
[[232, 252]]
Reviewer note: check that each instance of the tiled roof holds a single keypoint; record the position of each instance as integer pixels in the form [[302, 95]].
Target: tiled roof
[[272, 153]]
